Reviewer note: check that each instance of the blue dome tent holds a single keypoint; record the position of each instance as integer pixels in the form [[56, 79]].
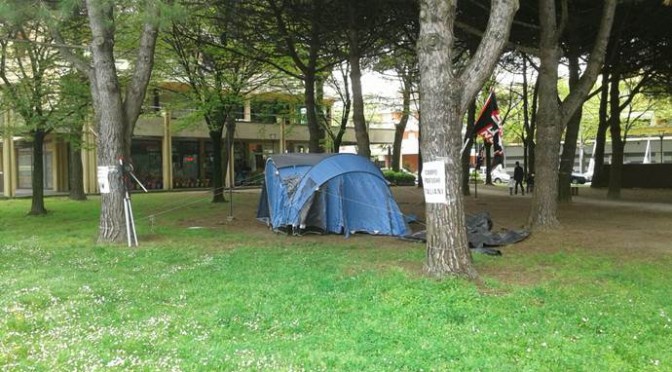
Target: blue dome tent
[[331, 193]]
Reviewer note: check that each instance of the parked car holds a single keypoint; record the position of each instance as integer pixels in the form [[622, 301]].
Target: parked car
[[578, 178], [499, 175]]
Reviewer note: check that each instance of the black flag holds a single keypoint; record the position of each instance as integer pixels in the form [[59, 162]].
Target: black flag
[[489, 127]]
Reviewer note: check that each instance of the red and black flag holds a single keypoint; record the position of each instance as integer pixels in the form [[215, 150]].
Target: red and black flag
[[489, 126]]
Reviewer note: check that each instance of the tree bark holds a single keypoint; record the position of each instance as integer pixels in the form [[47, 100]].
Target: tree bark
[[218, 172], [571, 136], [445, 99], [526, 121], [552, 117], [617, 144], [544, 200], [37, 207], [315, 131], [531, 130], [354, 58], [137, 87], [228, 148], [601, 136], [400, 127], [469, 144], [112, 113], [76, 169]]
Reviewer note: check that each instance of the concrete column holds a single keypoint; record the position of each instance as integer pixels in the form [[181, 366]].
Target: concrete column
[[167, 153], [9, 166], [8, 160], [59, 165], [89, 161], [230, 170], [247, 110], [283, 144]]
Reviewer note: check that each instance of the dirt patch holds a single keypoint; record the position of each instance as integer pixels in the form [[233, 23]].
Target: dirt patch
[[633, 228]]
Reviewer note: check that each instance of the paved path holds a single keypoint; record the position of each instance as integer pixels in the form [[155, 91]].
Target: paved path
[[649, 206], [596, 197]]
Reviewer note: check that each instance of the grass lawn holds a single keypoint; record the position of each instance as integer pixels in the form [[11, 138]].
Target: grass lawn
[[205, 293]]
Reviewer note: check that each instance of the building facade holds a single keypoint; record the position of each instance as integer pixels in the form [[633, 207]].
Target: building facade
[[166, 153]]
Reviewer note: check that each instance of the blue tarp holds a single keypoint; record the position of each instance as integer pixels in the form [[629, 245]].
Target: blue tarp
[[331, 193]]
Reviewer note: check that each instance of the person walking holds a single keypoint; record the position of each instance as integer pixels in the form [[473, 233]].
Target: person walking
[[530, 182], [518, 176]]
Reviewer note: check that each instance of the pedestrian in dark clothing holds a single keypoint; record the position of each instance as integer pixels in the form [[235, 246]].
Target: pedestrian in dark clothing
[[518, 176], [530, 182]]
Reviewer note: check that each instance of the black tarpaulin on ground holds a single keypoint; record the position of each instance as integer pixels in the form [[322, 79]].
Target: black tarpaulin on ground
[[480, 234]]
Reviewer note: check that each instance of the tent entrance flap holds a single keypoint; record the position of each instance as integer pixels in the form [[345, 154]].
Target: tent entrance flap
[[313, 214]]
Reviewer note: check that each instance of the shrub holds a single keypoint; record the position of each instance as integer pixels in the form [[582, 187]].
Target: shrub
[[399, 178]]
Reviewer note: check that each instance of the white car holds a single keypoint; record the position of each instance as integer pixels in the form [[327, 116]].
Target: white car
[[499, 175]]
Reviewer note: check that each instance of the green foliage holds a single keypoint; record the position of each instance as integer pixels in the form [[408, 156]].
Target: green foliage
[[399, 178], [225, 298]]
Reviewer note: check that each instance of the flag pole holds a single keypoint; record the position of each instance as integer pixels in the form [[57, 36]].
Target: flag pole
[[476, 166]]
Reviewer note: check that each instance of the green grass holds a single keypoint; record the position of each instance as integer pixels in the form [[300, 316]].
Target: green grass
[[221, 300]]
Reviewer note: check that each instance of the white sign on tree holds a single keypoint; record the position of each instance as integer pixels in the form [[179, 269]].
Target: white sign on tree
[[104, 179], [434, 182]]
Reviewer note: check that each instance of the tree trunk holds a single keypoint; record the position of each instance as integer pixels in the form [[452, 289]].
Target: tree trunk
[[400, 127], [544, 199], [531, 130], [354, 57], [617, 144], [445, 99], [526, 121], [217, 168], [601, 136], [420, 150], [316, 132], [567, 158], [136, 88], [110, 109], [571, 136], [228, 148], [447, 245], [37, 208], [552, 117], [76, 170], [466, 154]]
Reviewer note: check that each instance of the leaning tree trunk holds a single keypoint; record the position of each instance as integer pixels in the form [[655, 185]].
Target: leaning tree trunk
[[469, 144], [400, 127], [354, 58], [526, 121], [567, 158], [531, 130], [228, 148], [601, 136], [217, 174], [76, 170], [37, 208], [571, 136], [315, 131], [399, 130], [617, 144]]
